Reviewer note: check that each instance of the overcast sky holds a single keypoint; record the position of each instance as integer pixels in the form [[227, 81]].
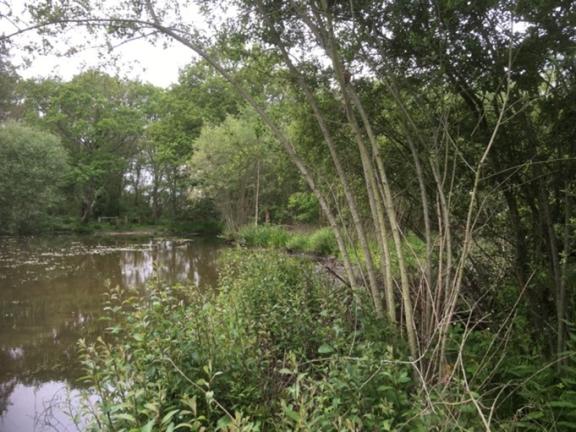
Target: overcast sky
[[138, 59]]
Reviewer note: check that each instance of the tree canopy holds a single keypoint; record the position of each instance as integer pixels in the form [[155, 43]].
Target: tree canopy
[[33, 169]]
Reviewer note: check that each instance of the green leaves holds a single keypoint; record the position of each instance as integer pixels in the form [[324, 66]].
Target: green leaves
[[325, 349], [148, 427], [33, 167], [237, 162], [230, 359]]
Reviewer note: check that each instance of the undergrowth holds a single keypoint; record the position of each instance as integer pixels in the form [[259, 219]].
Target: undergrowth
[[321, 242], [276, 347]]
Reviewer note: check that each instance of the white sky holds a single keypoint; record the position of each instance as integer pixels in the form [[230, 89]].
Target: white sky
[[138, 59]]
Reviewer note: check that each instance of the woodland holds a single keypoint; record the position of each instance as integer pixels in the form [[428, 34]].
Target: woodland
[[431, 144]]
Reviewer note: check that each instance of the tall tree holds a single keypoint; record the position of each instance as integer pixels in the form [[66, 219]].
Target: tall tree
[[100, 123], [236, 164]]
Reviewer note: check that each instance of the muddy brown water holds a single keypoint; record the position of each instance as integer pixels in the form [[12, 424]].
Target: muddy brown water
[[52, 293]]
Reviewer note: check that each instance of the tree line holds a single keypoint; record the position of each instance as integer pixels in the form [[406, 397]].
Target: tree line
[[124, 149]]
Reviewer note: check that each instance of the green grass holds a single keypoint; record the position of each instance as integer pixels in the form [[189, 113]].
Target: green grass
[[322, 242], [319, 242], [263, 236]]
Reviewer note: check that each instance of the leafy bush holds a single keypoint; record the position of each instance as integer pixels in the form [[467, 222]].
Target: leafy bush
[[33, 170], [319, 242], [199, 217], [304, 207], [276, 347], [297, 243], [201, 227], [542, 395], [322, 242]]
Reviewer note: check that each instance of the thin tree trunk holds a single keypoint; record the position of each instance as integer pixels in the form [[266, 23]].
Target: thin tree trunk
[[408, 121], [348, 93], [559, 294], [257, 197], [564, 273], [350, 200]]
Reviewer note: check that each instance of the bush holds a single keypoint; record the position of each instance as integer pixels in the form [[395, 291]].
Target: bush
[[201, 227], [33, 169], [297, 243], [322, 242], [275, 348]]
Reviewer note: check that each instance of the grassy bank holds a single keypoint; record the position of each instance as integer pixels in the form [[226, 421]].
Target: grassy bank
[[320, 241]]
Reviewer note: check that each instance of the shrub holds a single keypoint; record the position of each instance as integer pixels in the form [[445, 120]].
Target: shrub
[[274, 348], [322, 242], [297, 243], [201, 227], [33, 170]]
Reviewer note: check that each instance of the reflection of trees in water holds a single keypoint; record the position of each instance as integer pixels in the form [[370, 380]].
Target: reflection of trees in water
[[6, 389], [49, 303], [38, 337], [136, 267], [171, 261]]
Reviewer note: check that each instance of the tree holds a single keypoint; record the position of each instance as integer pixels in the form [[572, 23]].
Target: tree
[[8, 81], [455, 46], [33, 169], [237, 165], [100, 121], [177, 116]]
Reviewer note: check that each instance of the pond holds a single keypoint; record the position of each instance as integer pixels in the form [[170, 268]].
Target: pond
[[52, 293]]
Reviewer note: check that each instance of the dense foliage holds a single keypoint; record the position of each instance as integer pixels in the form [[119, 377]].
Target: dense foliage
[[436, 139], [238, 165], [33, 170], [319, 242], [270, 350], [279, 346], [181, 157]]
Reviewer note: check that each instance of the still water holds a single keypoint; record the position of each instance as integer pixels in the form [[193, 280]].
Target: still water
[[51, 294]]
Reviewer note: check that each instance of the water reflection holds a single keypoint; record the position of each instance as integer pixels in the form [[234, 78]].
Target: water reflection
[[51, 293]]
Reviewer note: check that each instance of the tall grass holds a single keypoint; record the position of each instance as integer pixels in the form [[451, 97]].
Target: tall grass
[[263, 236], [322, 242], [319, 242]]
